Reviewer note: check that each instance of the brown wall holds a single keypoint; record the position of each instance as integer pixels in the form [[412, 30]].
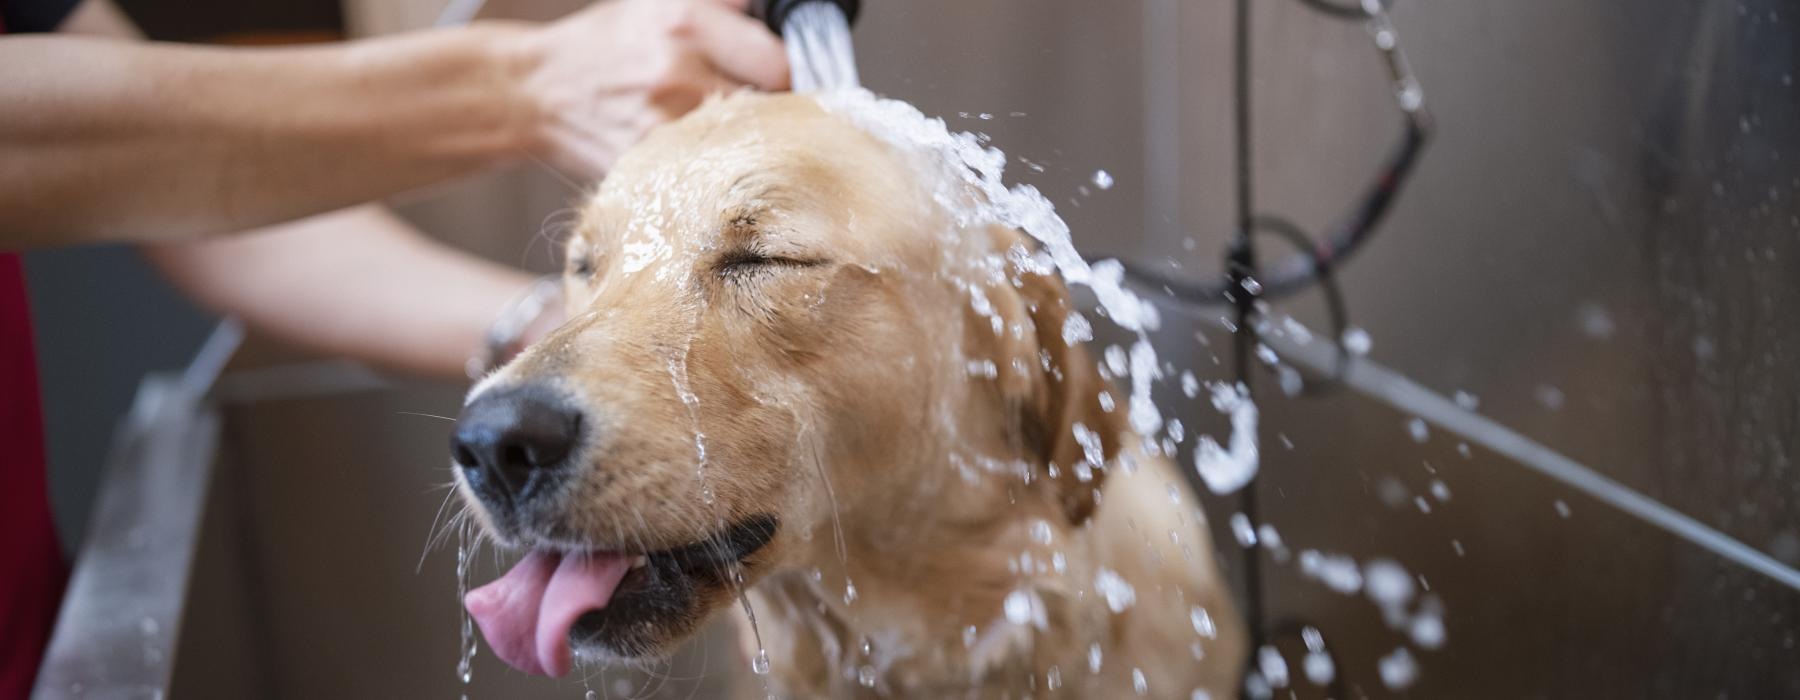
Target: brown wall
[[1603, 159]]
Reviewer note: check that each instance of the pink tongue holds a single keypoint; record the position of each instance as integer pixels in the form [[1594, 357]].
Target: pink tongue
[[526, 615]]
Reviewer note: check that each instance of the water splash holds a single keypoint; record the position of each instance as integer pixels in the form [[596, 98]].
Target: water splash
[[1225, 470], [465, 663], [678, 374], [975, 194], [759, 664]]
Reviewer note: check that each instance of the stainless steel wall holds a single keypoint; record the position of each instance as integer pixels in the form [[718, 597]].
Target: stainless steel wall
[[1602, 246]]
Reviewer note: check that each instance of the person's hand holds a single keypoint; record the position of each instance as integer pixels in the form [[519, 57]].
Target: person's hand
[[602, 77]]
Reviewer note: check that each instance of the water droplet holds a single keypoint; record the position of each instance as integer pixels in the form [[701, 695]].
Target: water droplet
[[1267, 355], [1318, 668], [1291, 381], [1116, 360], [1103, 179], [1076, 329], [1094, 658], [1314, 640], [1022, 607], [1337, 571], [865, 676], [1118, 593], [849, 592], [1269, 537], [1549, 396], [1594, 320], [1040, 531], [1418, 430], [1387, 583], [1053, 678], [1398, 670], [1273, 666], [1138, 684], [1243, 530], [1357, 341], [1203, 622], [759, 664], [1562, 508], [1410, 95], [1466, 400], [1427, 630]]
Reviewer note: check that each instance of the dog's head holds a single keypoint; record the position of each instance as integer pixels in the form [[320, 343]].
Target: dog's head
[[776, 328]]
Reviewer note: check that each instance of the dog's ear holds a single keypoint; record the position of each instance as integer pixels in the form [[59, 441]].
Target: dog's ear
[[1052, 383]]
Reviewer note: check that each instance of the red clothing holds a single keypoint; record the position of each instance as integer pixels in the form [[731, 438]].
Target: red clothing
[[32, 571]]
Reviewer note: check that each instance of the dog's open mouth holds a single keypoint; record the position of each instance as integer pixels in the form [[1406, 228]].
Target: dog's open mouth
[[619, 602]]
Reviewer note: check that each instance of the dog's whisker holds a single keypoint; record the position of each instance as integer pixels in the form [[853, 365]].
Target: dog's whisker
[[564, 179], [431, 535], [426, 415], [557, 224]]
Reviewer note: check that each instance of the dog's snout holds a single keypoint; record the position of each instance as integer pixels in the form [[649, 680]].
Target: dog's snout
[[509, 440]]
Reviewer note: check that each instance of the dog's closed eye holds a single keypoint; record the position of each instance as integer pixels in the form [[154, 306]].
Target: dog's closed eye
[[744, 263]]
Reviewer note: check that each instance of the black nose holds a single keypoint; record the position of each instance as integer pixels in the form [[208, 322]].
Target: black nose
[[510, 440]]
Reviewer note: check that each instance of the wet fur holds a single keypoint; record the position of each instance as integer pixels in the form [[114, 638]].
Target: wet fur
[[803, 297]]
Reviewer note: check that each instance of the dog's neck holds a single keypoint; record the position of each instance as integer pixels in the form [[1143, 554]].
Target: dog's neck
[[946, 603]]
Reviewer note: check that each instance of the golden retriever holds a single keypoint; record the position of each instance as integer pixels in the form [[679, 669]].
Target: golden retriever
[[791, 374]]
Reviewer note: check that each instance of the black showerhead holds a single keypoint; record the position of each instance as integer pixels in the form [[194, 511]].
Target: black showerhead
[[775, 12]]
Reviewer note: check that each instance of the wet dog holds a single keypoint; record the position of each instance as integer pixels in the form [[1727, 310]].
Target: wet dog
[[792, 374]]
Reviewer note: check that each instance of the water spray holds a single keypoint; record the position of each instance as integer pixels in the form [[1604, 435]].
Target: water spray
[[817, 36]]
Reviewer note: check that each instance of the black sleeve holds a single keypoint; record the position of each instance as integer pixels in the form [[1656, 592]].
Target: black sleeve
[[35, 15]]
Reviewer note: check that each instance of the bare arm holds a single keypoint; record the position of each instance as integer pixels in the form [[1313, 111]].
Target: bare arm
[[359, 282], [106, 139]]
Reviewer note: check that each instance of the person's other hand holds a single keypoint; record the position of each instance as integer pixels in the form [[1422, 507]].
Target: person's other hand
[[602, 77]]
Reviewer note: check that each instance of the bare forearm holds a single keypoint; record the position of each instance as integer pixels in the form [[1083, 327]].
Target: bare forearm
[[115, 140], [400, 300]]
